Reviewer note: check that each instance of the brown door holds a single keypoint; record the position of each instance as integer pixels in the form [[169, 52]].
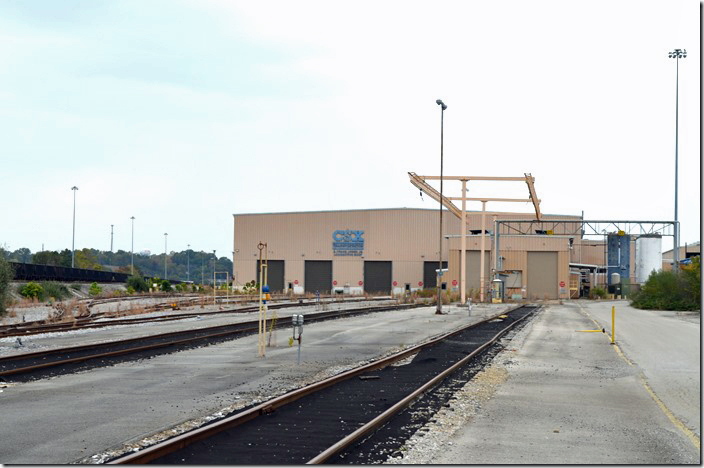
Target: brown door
[[542, 275]]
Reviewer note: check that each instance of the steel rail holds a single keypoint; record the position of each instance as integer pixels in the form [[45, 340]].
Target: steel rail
[[183, 440], [24, 370], [402, 404], [84, 323], [241, 327]]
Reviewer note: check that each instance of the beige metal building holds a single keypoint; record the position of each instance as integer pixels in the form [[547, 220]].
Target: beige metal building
[[685, 251], [383, 250]]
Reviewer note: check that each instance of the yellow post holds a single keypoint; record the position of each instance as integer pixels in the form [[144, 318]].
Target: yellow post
[[613, 324]]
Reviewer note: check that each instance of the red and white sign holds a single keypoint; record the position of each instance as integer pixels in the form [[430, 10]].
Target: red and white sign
[[420, 283], [295, 281], [562, 284], [361, 283], [395, 283], [334, 283], [454, 282]]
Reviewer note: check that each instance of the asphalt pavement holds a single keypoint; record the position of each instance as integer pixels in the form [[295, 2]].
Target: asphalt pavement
[[571, 397]]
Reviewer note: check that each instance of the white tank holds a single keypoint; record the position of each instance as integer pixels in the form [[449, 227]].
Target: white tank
[[648, 256]]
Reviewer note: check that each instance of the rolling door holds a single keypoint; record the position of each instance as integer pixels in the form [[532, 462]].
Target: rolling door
[[275, 275], [542, 275], [318, 276], [377, 277], [473, 269], [429, 275]]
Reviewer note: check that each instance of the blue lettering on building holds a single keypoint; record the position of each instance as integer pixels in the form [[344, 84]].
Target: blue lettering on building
[[348, 242]]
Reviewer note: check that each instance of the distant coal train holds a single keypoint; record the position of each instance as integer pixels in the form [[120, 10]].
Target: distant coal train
[[32, 272]]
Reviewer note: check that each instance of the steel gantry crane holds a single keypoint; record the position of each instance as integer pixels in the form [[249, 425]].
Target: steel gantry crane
[[421, 183]]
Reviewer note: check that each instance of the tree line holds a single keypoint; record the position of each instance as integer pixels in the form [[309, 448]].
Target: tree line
[[196, 266]]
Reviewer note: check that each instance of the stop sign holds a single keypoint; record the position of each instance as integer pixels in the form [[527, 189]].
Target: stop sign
[[361, 283], [395, 283], [334, 283], [454, 282], [295, 281], [562, 284], [420, 283]]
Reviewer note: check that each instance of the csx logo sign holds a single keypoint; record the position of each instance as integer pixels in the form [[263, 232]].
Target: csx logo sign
[[348, 235]]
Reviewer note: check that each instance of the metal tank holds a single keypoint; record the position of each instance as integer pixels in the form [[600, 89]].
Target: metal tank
[[648, 256]]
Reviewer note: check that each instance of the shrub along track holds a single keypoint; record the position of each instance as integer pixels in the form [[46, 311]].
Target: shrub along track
[[42, 326], [43, 364], [325, 421]]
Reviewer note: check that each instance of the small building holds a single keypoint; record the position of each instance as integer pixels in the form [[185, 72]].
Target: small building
[[685, 251]]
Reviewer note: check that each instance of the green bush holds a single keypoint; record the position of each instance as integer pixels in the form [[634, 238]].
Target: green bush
[[165, 285], [32, 290], [597, 292], [77, 286], [94, 289], [671, 290], [6, 275], [56, 290], [137, 283]]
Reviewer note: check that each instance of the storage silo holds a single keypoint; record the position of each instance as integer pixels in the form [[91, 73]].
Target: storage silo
[[648, 256]]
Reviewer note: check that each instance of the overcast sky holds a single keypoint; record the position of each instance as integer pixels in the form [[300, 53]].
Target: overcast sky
[[181, 113]]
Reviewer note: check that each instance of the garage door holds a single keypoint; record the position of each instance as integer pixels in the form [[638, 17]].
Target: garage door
[[318, 276], [542, 275], [377, 277], [429, 274], [473, 268], [275, 275]]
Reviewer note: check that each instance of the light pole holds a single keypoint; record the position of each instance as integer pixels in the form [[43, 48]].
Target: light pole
[[188, 262], [111, 235], [214, 260], [132, 251], [677, 54], [442, 105], [73, 238], [165, 235]]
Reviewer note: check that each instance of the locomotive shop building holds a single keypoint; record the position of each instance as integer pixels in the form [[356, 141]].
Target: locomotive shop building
[[396, 250]]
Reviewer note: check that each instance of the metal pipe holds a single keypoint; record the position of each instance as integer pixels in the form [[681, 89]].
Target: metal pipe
[[463, 253], [481, 257]]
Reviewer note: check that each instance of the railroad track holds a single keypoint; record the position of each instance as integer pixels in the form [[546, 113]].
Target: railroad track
[[323, 422], [32, 366], [92, 321]]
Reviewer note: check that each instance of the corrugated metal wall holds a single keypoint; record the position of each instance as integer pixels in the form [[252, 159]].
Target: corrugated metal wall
[[409, 237]]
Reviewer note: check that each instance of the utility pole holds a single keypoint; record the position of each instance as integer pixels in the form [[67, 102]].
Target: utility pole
[[438, 310], [73, 239], [111, 236], [677, 54], [132, 251], [165, 255]]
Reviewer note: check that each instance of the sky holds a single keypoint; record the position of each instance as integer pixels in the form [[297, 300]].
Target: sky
[[181, 113]]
